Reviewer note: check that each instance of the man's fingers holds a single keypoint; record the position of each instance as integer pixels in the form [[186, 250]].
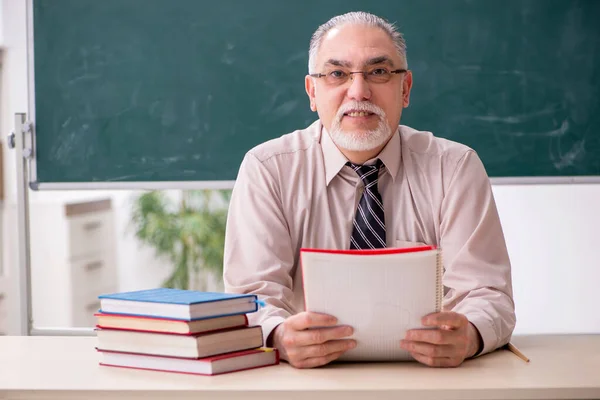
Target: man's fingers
[[306, 320], [325, 349], [434, 336], [312, 339], [319, 335], [428, 349], [451, 320]]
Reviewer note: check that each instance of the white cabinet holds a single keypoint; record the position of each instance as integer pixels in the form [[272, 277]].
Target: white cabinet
[[73, 260]]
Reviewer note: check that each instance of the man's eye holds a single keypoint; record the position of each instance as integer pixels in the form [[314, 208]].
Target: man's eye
[[337, 74], [379, 71]]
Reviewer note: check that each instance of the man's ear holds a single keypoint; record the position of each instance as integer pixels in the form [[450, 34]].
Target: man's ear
[[309, 85], [406, 86]]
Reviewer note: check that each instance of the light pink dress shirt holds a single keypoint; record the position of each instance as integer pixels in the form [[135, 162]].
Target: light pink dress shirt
[[295, 191]]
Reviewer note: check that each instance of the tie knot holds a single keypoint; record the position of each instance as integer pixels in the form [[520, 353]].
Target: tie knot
[[367, 173]]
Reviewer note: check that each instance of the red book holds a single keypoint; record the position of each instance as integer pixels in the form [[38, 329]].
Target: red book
[[164, 325], [216, 365]]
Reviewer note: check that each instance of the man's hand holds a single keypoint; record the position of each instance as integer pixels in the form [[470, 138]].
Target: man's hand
[[453, 340], [307, 348]]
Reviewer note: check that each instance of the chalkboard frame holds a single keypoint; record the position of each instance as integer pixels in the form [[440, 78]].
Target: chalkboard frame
[[212, 184]]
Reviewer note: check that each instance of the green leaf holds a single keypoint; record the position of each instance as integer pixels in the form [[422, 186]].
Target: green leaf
[[191, 232]]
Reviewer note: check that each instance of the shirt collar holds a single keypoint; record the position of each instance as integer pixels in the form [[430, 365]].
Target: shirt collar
[[335, 159], [391, 155]]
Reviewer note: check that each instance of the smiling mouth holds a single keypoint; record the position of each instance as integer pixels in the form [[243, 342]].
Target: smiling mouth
[[355, 114]]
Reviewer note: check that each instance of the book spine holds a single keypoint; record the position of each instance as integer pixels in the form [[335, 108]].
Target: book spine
[[439, 291]]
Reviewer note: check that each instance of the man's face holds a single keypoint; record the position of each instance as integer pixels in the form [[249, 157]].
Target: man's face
[[350, 48]]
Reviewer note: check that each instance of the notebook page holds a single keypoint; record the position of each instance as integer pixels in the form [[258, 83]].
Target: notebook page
[[381, 296]]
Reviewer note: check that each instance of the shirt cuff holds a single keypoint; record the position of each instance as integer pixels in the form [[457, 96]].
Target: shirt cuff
[[268, 325], [487, 332]]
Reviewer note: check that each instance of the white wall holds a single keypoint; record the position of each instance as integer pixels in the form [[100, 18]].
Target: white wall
[[551, 230], [552, 234], [1, 24]]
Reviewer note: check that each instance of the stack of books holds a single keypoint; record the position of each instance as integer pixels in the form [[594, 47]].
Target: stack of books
[[185, 331]]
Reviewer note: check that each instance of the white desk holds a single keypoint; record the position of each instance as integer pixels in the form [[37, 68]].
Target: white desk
[[67, 368]]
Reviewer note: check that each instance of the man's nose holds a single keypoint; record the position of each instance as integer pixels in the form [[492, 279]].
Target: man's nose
[[359, 89]]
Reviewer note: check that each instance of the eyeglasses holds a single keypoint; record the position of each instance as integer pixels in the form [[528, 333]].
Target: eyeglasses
[[376, 75]]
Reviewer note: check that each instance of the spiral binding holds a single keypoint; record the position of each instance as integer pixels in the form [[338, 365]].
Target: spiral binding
[[439, 291]]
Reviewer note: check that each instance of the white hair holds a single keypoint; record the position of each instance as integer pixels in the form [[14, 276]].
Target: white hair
[[357, 17]]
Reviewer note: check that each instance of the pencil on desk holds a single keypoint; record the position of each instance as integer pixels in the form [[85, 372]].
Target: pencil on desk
[[517, 352]]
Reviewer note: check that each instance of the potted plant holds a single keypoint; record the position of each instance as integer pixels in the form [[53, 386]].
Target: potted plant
[[189, 231]]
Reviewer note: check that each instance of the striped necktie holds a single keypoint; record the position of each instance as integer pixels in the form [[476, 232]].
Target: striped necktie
[[369, 224]]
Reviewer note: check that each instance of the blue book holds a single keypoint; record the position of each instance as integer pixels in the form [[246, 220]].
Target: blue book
[[187, 305]]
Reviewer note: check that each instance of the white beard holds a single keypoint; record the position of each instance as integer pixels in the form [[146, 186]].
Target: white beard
[[360, 141]]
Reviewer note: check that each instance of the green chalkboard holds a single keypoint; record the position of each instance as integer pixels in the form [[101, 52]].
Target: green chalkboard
[[179, 90]]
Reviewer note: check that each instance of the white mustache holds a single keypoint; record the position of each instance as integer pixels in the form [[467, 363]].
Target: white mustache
[[363, 106]]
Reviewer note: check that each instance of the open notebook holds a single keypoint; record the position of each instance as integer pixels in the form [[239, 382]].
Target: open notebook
[[381, 293]]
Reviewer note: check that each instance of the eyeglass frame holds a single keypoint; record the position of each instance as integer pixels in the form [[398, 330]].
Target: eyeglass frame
[[364, 74]]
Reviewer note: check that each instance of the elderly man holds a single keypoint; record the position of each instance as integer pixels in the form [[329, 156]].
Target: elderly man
[[357, 179]]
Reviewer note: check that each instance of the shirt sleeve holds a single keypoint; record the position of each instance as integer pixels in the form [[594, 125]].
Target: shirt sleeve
[[477, 276], [258, 255]]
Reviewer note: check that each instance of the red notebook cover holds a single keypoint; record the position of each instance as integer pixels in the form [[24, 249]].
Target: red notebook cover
[[372, 251]]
